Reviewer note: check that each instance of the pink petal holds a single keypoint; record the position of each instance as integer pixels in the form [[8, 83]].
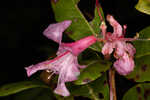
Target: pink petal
[[68, 71], [119, 49], [116, 26], [54, 31], [77, 47], [62, 90], [130, 49], [53, 65], [124, 65], [61, 50], [34, 68], [107, 48]]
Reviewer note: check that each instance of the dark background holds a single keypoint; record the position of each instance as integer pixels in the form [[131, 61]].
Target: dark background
[[23, 21]]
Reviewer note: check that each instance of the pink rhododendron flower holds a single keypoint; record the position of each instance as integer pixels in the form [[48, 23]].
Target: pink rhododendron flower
[[66, 63], [124, 52]]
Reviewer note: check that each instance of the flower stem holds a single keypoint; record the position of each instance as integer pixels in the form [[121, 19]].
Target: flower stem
[[91, 92], [112, 84]]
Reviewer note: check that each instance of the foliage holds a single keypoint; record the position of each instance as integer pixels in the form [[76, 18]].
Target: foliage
[[20, 86], [93, 81], [142, 69], [80, 27], [143, 6], [138, 92]]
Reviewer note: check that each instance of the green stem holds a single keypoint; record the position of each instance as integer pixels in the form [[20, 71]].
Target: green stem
[[93, 95]]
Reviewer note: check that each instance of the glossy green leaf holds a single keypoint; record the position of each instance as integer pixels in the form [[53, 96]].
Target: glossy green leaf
[[96, 89], [96, 66], [142, 63], [80, 27], [94, 70], [19, 86], [143, 46], [101, 86], [141, 71], [138, 92], [34, 94], [143, 6], [95, 23], [58, 97]]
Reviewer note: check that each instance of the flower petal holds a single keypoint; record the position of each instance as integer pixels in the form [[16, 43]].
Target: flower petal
[[124, 65], [68, 70], [107, 48], [53, 65], [54, 31], [116, 26], [119, 49], [40, 66], [130, 49], [77, 47], [62, 90]]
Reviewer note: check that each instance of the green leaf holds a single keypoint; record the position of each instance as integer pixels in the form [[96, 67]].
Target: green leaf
[[34, 94], [101, 86], [19, 86], [143, 6], [58, 97], [143, 46], [141, 71], [96, 89], [142, 64], [96, 66], [96, 22], [138, 92], [80, 27], [94, 70]]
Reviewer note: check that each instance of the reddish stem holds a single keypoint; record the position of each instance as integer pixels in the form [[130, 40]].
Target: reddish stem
[[98, 10], [112, 84]]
